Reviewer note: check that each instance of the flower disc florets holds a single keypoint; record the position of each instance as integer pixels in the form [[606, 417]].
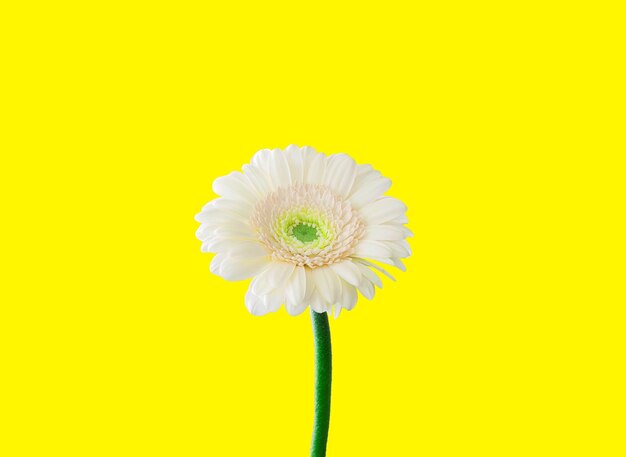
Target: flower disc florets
[[307, 225]]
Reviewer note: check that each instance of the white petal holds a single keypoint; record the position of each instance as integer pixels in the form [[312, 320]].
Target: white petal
[[205, 232], [227, 226], [217, 216], [370, 191], [274, 299], [278, 273], [310, 284], [317, 303], [235, 187], [295, 310], [243, 231], [262, 160], [398, 263], [216, 263], [240, 207], [239, 268], [316, 169], [376, 267], [349, 296], [208, 246], [365, 175], [258, 178], [295, 159], [398, 248], [382, 210], [260, 285], [369, 274], [347, 271], [399, 220], [364, 169], [384, 232], [216, 242], [326, 283], [255, 304], [337, 304], [280, 174], [295, 292], [239, 248], [385, 260], [308, 153], [407, 232], [367, 288], [340, 173], [367, 248]]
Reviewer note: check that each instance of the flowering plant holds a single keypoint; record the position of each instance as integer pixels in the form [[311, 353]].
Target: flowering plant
[[308, 229]]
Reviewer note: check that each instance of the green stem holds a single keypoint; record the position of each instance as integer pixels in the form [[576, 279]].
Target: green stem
[[323, 377]]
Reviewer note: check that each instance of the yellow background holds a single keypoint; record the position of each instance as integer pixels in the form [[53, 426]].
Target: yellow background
[[501, 125]]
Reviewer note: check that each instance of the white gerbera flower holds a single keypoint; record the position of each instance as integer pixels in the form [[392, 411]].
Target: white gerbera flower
[[305, 227]]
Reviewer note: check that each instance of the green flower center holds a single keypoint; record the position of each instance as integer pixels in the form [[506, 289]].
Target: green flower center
[[303, 228], [304, 232]]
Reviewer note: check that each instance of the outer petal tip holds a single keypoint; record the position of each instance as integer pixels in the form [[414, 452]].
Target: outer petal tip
[[255, 304]]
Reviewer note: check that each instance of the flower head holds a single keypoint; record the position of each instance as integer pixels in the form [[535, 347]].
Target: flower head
[[306, 228]]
